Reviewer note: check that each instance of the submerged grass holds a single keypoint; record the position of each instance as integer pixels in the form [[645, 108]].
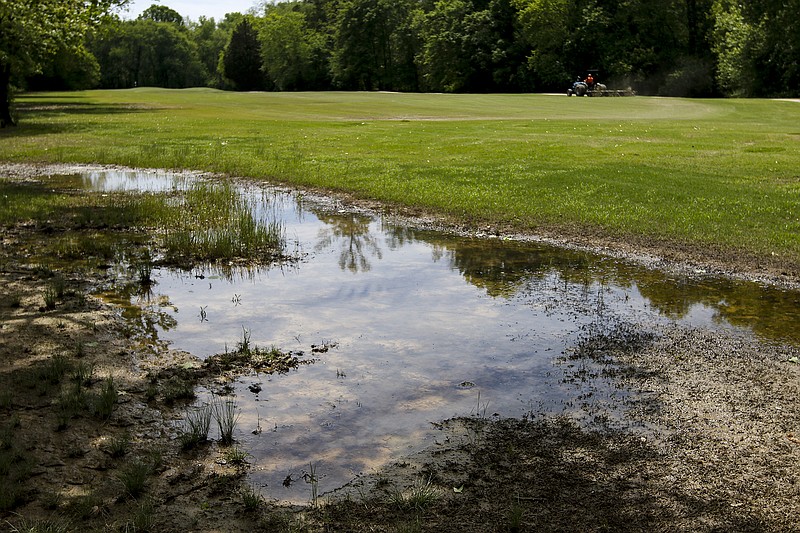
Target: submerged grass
[[703, 172], [209, 222]]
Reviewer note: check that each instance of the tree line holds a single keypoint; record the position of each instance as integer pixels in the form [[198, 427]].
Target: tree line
[[667, 47]]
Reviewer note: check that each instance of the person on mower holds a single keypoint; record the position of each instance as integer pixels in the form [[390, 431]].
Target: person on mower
[[590, 81]]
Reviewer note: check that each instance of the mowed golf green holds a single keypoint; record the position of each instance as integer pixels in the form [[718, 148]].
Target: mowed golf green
[[722, 174]]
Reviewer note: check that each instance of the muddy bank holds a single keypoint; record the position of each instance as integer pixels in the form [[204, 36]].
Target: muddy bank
[[710, 445], [709, 442]]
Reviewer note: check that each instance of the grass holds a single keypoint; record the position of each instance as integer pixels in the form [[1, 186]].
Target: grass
[[196, 427], [418, 497], [209, 222], [55, 368], [134, 476], [704, 172], [104, 402], [312, 478], [251, 499], [15, 466], [83, 373], [225, 414], [118, 446], [235, 456], [50, 525]]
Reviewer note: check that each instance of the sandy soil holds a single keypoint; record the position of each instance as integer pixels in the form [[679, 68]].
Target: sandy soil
[[710, 440]]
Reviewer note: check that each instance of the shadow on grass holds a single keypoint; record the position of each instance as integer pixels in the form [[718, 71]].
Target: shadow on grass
[[36, 117]]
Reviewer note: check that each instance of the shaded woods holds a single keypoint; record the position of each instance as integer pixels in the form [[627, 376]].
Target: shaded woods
[[676, 47]]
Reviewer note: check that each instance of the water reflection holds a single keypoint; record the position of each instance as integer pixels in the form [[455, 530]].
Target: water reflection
[[350, 235], [415, 315]]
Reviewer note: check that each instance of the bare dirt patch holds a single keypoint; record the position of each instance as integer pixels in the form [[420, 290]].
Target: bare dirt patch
[[710, 442]]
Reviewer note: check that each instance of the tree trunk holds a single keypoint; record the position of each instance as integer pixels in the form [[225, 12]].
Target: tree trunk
[[5, 96]]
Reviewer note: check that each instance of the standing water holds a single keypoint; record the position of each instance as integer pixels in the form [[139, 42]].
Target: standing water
[[408, 327]]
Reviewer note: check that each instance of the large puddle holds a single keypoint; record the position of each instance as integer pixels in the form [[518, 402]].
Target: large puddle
[[419, 327]]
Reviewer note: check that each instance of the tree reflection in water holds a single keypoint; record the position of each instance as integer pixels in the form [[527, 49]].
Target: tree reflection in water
[[351, 234]]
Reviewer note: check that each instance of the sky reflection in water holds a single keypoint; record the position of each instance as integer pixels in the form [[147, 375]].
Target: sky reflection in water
[[426, 326]]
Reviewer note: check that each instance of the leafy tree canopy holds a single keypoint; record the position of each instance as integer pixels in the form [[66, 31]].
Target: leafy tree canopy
[[158, 13], [32, 31]]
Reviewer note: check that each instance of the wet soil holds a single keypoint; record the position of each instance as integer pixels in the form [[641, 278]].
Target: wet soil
[[710, 440]]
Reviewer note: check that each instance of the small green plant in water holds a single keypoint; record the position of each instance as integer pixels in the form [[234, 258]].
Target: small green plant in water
[[312, 479], [226, 416], [243, 347], [196, 427], [143, 268]]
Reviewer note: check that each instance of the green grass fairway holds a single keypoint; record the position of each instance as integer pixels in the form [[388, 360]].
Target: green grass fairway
[[722, 174]]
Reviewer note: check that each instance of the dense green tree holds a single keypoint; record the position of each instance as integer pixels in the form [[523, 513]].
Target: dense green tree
[[69, 69], [210, 41], [544, 28], [773, 49], [293, 54], [734, 40], [671, 47], [241, 60], [372, 49], [444, 66], [147, 53], [33, 31], [158, 13]]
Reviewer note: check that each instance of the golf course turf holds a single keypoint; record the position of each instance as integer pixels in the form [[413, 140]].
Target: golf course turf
[[714, 175]]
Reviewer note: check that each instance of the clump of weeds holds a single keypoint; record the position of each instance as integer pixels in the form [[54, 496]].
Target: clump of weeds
[[171, 388], [143, 270], [133, 477], [226, 416], [143, 519], [85, 506], [196, 426], [419, 497], [55, 368], [249, 356], [83, 373], [49, 525], [312, 478], [251, 499], [15, 467], [104, 403], [119, 446], [53, 292], [235, 456], [75, 401]]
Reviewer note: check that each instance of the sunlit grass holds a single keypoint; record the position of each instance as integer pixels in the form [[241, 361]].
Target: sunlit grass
[[720, 173], [209, 222]]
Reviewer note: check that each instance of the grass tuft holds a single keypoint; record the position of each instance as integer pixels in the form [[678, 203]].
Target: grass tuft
[[103, 404], [196, 426], [226, 416], [134, 476], [251, 499], [419, 497]]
